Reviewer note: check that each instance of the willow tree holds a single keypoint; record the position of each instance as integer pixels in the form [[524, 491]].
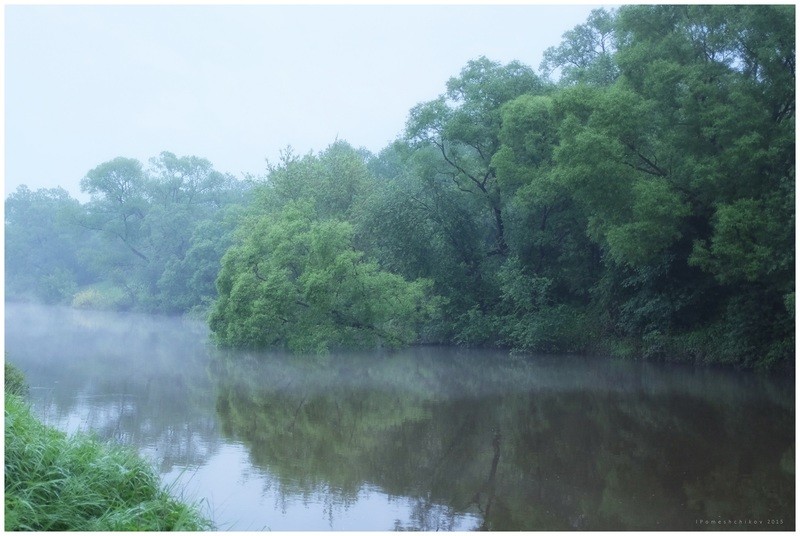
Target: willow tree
[[295, 281]]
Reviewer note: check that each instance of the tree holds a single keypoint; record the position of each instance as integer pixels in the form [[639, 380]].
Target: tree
[[464, 124], [296, 281], [336, 180], [185, 235], [670, 164], [154, 227], [44, 248], [453, 186], [544, 283], [586, 54], [188, 281], [118, 203]]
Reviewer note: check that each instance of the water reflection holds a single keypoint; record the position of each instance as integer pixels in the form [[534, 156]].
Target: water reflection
[[551, 444], [425, 439], [131, 378]]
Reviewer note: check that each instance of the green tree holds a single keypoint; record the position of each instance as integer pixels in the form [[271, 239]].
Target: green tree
[[669, 165], [192, 210], [463, 125], [188, 281], [157, 240], [586, 54], [296, 281], [44, 248], [545, 281], [452, 141], [117, 204], [336, 180]]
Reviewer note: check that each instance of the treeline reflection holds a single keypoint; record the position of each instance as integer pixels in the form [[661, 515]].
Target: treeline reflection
[[548, 444]]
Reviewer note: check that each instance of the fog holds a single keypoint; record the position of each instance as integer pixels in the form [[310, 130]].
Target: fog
[[59, 344]]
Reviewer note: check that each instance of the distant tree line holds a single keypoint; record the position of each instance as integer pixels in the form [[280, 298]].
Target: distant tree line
[[149, 239], [635, 196]]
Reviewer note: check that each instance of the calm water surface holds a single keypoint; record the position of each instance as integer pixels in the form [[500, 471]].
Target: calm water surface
[[423, 439]]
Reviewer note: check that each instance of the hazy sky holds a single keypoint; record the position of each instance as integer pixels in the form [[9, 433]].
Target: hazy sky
[[237, 84]]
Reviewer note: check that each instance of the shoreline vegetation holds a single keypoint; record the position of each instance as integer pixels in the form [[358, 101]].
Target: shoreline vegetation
[[55, 482]]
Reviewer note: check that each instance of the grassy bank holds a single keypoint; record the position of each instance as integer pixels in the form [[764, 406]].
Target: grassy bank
[[59, 483]]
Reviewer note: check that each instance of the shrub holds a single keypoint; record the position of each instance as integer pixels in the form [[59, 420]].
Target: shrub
[[101, 297]]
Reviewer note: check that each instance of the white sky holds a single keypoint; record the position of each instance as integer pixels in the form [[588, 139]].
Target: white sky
[[237, 84]]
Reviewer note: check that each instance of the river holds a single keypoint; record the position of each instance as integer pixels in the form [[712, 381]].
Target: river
[[427, 438]]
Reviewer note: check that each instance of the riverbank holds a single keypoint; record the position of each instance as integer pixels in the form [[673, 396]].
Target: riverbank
[[58, 483]]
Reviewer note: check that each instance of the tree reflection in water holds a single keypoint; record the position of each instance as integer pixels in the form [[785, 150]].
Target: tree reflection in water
[[545, 444]]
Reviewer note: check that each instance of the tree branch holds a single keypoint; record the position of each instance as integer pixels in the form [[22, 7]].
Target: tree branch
[[459, 168], [654, 169]]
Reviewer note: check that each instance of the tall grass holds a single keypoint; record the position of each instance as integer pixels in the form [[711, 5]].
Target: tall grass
[[14, 380], [59, 483]]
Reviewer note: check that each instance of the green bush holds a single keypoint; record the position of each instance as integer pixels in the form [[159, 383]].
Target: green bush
[[101, 297]]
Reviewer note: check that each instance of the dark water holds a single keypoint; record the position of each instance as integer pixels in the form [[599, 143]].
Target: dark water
[[424, 439]]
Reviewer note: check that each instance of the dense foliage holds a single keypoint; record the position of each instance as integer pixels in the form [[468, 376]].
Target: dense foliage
[[635, 197], [298, 281]]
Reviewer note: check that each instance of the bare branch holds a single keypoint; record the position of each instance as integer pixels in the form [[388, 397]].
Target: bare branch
[[450, 161], [654, 169]]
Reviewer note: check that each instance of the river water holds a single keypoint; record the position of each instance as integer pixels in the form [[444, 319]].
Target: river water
[[427, 438]]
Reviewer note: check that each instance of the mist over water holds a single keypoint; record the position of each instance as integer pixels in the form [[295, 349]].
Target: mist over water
[[426, 438]]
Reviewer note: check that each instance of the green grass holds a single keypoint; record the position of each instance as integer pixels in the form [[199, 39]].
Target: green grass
[[59, 483], [15, 380]]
